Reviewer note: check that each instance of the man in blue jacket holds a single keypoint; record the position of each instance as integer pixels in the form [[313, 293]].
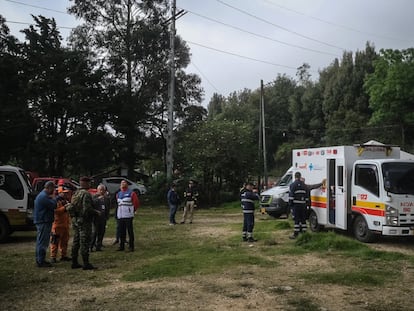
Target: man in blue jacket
[[44, 208], [247, 198], [173, 201]]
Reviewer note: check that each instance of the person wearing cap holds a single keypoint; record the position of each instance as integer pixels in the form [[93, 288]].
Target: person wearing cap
[[190, 196], [60, 227], [247, 198], [128, 203], [43, 216], [82, 212], [173, 200]]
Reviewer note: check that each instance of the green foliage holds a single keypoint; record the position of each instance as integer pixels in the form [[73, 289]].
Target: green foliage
[[136, 46], [328, 241], [16, 123], [392, 96], [224, 153], [345, 104], [333, 242]]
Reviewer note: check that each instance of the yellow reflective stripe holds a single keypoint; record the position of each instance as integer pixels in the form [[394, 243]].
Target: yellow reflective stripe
[[372, 205]]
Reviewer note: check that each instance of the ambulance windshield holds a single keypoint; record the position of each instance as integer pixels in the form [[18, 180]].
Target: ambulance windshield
[[286, 180], [399, 177]]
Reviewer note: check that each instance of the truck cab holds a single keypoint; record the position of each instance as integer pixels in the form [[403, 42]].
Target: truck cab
[[16, 201], [274, 201], [368, 189]]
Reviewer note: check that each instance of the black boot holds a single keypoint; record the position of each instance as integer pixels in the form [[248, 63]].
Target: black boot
[[121, 246], [86, 264], [75, 263]]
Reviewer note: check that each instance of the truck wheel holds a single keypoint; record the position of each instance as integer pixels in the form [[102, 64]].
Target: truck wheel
[[361, 230], [4, 229], [313, 222]]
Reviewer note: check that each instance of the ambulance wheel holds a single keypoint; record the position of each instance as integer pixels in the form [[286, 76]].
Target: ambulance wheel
[[313, 222], [361, 230]]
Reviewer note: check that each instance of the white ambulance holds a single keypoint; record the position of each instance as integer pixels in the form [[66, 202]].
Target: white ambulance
[[369, 189]]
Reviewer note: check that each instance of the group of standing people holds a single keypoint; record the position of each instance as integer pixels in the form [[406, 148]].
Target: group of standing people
[[52, 215], [88, 214], [299, 201], [191, 198]]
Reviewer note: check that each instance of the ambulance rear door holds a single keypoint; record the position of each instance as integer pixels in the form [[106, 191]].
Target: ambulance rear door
[[340, 193]]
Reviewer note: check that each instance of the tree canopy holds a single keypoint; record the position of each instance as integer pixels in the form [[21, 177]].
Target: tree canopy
[[100, 101]]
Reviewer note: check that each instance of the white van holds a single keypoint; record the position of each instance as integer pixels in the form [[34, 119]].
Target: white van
[[274, 201]]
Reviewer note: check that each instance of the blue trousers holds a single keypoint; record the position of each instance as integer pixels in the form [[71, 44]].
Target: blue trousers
[[248, 224], [173, 211], [42, 240]]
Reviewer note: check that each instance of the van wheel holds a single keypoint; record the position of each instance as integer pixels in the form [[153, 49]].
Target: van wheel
[[4, 229], [275, 215], [313, 222], [137, 192], [361, 230]]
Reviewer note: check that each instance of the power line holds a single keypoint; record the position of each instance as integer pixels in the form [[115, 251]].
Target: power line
[[37, 7], [204, 76], [23, 23], [261, 36], [334, 24], [242, 56], [280, 27]]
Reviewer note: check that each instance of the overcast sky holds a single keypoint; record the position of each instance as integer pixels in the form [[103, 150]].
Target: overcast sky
[[236, 43]]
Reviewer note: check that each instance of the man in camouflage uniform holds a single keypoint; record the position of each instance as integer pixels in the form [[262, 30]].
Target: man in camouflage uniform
[[81, 210]]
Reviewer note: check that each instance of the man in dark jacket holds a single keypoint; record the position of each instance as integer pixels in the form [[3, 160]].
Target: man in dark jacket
[[247, 198], [298, 197], [191, 197], [173, 201], [44, 209], [102, 203]]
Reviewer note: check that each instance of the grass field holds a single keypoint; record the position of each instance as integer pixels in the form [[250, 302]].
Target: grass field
[[206, 266]]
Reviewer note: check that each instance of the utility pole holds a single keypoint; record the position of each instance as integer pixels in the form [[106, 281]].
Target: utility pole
[[263, 132], [259, 155], [170, 126]]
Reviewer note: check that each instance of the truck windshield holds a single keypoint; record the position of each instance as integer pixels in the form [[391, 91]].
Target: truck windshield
[[285, 181], [26, 179], [399, 176]]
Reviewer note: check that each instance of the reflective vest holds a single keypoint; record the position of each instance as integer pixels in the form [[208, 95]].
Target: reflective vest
[[298, 193], [125, 204]]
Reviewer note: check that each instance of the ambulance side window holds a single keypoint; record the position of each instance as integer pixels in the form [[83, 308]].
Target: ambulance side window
[[366, 176]]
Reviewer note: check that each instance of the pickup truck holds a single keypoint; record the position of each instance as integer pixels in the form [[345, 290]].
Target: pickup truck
[[38, 184], [16, 201]]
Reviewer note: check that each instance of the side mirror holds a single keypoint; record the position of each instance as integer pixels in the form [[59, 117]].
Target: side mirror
[[387, 185]]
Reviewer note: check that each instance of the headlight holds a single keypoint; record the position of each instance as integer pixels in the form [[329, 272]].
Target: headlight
[[391, 215]]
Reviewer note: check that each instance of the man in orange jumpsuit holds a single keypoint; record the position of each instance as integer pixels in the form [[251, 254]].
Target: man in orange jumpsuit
[[60, 228]]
